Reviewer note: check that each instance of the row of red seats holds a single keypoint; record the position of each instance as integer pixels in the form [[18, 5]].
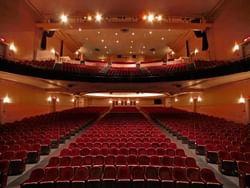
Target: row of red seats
[[49, 64], [222, 142], [122, 177], [123, 151], [21, 142], [130, 160]]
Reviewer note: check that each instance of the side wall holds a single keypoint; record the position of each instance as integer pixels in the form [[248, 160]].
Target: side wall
[[231, 25], [17, 24], [221, 101], [28, 101]]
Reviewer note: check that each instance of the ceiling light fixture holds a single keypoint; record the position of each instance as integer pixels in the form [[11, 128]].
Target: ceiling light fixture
[[162, 38], [150, 32], [117, 41]]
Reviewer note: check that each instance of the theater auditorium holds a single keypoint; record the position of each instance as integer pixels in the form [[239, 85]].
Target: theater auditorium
[[124, 94]]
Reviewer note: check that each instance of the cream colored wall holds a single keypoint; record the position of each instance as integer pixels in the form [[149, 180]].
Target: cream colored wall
[[231, 25], [221, 101], [17, 24], [105, 102], [28, 101]]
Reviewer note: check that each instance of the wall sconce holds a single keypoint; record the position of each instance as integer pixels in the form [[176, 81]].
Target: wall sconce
[[128, 101], [236, 47], [49, 99], [191, 100], [199, 99], [119, 102], [6, 99], [110, 101], [12, 47], [176, 100], [137, 102], [241, 100]]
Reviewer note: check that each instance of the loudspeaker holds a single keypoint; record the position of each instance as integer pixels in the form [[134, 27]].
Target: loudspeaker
[[44, 38], [203, 35], [187, 48]]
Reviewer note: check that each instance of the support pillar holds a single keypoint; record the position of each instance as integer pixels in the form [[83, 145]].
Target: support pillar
[[247, 105], [1, 112], [168, 102], [195, 105], [53, 104]]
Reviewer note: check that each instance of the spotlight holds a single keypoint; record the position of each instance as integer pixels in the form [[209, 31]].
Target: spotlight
[[98, 17], [64, 18], [150, 18]]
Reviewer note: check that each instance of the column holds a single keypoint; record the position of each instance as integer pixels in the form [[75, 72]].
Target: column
[[168, 102], [195, 105], [247, 105], [53, 104], [1, 112]]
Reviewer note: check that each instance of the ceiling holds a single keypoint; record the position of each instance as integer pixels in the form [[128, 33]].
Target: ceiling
[[136, 41], [125, 8], [162, 35]]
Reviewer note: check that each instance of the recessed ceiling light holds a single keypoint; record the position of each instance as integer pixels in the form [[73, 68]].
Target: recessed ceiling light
[[153, 52], [98, 32], [144, 47], [133, 33], [105, 47], [131, 46], [169, 29], [107, 52], [150, 32], [142, 52], [102, 40], [86, 38], [162, 38], [79, 29], [130, 52], [117, 41], [89, 18], [116, 33], [159, 18], [132, 41]]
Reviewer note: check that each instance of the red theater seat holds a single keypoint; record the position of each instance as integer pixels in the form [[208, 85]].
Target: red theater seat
[[109, 177], [80, 178], [123, 177], [152, 177], [165, 176], [4, 168], [193, 174], [138, 177], [35, 177], [65, 177], [180, 177], [50, 177], [209, 178]]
